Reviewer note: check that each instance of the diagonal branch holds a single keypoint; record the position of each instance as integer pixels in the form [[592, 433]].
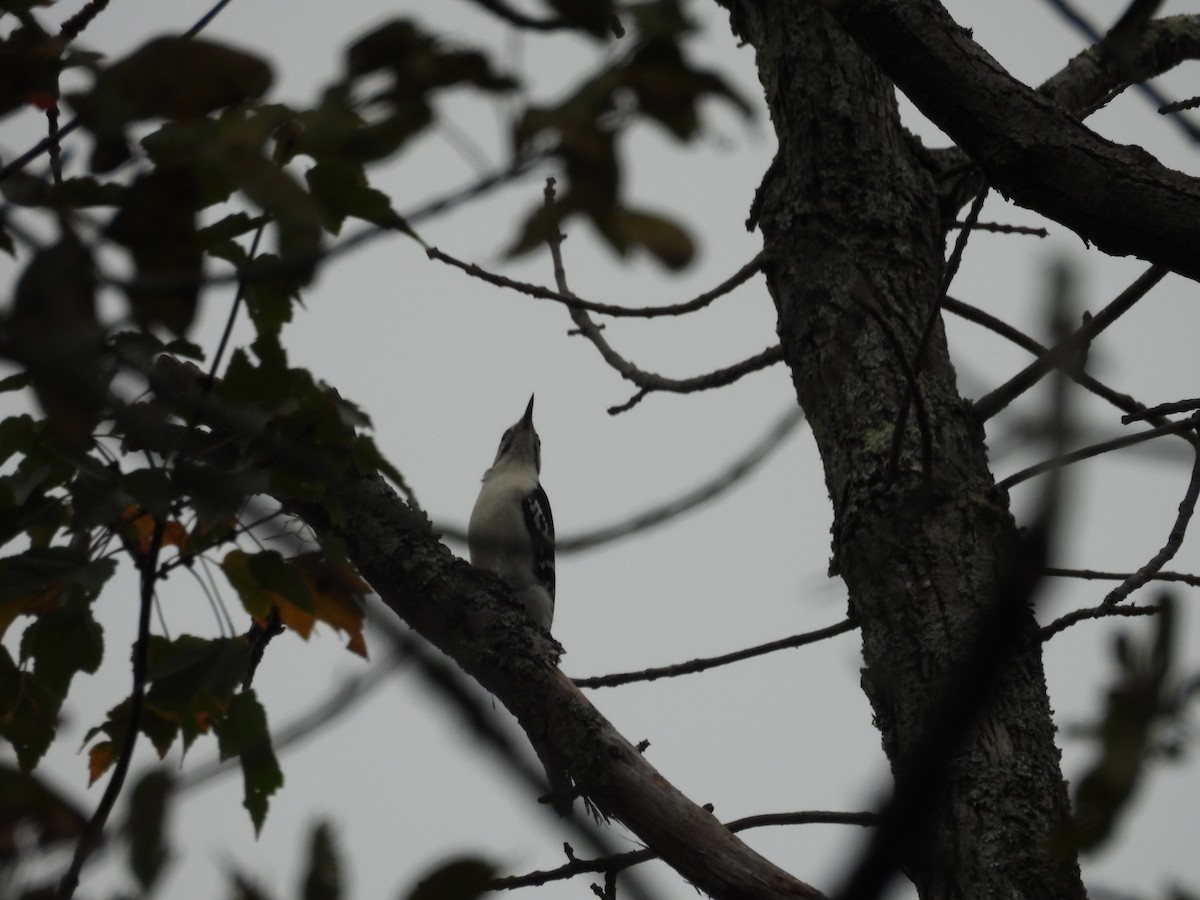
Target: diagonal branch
[[648, 382], [1030, 149], [608, 309], [712, 662], [1187, 506], [1061, 355], [469, 615]]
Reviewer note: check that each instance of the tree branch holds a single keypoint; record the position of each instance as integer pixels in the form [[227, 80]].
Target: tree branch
[[1187, 506], [712, 662], [1062, 354], [648, 382], [608, 309], [1032, 150], [470, 616]]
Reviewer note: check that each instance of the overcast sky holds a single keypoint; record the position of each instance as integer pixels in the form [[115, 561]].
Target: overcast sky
[[443, 365]]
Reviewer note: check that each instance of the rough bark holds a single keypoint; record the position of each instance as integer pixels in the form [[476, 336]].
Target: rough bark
[[854, 242], [470, 616], [1032, 150]]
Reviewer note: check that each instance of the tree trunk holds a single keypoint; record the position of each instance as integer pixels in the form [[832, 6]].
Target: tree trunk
[[855, 241]]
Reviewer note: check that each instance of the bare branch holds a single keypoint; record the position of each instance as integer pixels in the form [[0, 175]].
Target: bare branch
[[1083, 379], [1103, 611], [1115, 48], [712, 662], [1064, 353], [607, 309], [1092, 574], [998, 228], [1187, 506], [1031, 149], [93, 832], [612, 864], [519, 19], [470, 616], [1093, 77], [658, 515], [1161, 409], [1057, 462]]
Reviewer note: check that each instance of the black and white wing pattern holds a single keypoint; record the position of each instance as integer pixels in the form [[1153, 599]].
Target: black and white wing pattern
[[539, 522]]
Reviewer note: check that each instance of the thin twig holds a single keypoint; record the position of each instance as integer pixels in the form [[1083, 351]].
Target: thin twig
[[1066, 459], [519, 19], [623, 861], [654, 516], [999, 228], [238, 299], [1061, 354], [701, 665], [291, 265], [1161, 409], [646, 381], [1068, 12], [607, 309], [1121, 401], [1179, 106], [1187, 506], [72, 27], [90, 839], [1102, 611], [1092, 574]]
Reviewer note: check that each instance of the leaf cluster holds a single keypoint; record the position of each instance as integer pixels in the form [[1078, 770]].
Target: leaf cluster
[[190, 167]]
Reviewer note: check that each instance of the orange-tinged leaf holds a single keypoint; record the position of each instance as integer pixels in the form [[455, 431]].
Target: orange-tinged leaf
[[101, 756], [138, 527], [295, 618], [337, 591]]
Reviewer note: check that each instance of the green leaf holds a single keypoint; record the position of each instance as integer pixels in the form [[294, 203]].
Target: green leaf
[[62, 642], [593, 16], [53, 332], [161, 732], [18, 434], [226, 229], [323, 879], [243, 733], [262, 580], [37, 517], [36, 571], [294, 212], [341, 188], [179, 78], [269, 299], [146, 826], [28, 806], [28, 712], [460, 878], [668, 89], [192, 680], [169, 78], [660, 237], [157, 223]]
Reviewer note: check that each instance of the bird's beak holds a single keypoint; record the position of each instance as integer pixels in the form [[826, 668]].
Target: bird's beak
[[527, 419]]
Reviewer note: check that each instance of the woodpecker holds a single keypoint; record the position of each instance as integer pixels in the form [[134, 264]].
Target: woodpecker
[[511, 531]]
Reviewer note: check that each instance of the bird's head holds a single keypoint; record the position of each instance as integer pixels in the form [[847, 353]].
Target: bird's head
[[521, 443]]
